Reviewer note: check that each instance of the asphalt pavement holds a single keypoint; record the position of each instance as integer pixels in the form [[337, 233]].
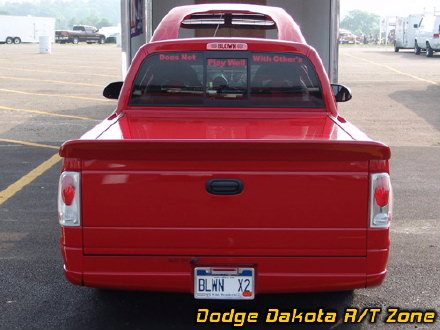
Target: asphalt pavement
[[46, 99]]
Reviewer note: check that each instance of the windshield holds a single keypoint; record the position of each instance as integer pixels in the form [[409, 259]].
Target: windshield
[[227, 79]]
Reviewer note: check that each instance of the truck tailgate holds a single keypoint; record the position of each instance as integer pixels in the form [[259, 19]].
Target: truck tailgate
[[303, 198]]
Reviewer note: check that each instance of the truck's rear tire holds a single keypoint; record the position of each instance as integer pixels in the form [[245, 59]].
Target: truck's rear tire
[[429, 50], [101, 40], [17, 40], [9, 40]]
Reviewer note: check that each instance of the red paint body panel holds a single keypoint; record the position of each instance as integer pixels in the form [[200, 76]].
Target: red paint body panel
[[274, 275], [301, 220], [72, 237], [220, 150], [298, 128], [179, 215], [225, 241]]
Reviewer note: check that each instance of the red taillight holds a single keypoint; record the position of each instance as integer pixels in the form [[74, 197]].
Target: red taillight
[[68, 195], [436, 35], [382, 191], [69, 199], [381, 200], [68, 190]]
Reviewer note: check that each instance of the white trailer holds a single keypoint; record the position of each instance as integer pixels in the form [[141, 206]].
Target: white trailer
[[406, 32], [18, 29], [318, 19]]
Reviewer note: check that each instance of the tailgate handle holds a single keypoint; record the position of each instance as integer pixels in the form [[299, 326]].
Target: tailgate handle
[[225, 186]]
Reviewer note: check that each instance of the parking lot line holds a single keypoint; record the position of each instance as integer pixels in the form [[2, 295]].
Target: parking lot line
[[61, 72], [47, 113], [394, 69], [53, 66], [52, 81], [29, 143], [56, 95], [381, 80], [28, 178]]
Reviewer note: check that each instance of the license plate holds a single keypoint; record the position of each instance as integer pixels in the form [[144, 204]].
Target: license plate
[[224, 283]]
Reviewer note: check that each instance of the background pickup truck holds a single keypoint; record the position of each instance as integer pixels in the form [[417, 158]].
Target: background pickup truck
[[80, 33], [226, 171]]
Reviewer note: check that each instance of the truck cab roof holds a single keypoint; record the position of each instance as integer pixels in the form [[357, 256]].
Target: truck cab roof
[[234, 16]]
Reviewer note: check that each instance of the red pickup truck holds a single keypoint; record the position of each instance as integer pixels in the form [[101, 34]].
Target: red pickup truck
[[80, 33], [225, 171]]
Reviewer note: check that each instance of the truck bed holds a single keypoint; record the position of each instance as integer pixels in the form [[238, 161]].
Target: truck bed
[[287, 166], [298, 127]]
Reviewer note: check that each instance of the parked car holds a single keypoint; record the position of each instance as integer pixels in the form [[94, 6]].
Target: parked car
[[80, 33], [347, 37], [226, 170], [112, 33], [427, 35]]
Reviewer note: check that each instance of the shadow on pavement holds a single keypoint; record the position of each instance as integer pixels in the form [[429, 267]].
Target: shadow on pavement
[[425, 104], [147, 310]]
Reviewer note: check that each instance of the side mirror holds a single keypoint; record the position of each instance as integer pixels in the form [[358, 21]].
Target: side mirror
[[113, 90], [416, 26], [342, 93]]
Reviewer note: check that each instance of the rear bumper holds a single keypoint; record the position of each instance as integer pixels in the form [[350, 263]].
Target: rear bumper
[[435, 45], [273, 274]]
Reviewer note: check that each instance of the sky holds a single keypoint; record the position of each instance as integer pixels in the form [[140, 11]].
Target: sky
[[390, 7], [2, 2], [380, 7]]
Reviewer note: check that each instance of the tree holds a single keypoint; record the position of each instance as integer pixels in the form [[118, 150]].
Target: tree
[[90, 20], [361, 21], [103, 22]]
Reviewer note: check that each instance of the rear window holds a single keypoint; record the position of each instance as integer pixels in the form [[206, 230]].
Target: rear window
[[249, 25], [227, 79]]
